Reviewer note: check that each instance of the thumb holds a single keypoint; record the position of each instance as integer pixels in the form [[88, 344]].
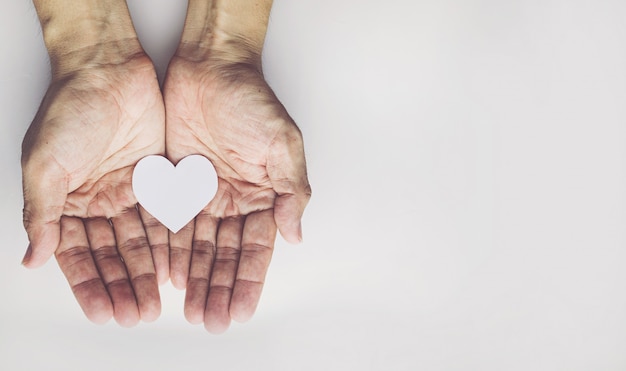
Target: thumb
[[287, 172], [45, 192]]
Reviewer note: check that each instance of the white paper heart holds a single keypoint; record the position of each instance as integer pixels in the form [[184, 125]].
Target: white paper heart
[[174, 195]]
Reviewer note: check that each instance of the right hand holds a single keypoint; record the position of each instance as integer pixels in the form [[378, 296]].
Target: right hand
[[96, 121]]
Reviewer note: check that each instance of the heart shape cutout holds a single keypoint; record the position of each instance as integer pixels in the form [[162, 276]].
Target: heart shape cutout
[[174, 194]]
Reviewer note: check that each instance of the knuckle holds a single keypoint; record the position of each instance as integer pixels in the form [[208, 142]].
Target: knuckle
[[222, 288], [227, 254], [145, 277], [134, 246], [159, 247], [27, 218], [73, 256], [87, 286], [151, 223], [196, 283], [120, 282], [308, 192], [256, 249], [105, 254], [178, 251], [202, 247], [257, 253], [250, 282]]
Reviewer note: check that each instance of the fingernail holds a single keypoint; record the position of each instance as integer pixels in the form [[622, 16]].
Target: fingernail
[[29, 252]]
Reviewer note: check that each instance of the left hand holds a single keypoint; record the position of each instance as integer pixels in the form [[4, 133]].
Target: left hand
[[229, 114]]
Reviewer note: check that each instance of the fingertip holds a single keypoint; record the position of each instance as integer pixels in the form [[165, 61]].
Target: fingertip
[[179, 281], [152, 313], [288, 211], [195, 300], [150, 308], [26, 258], [245, 300], [291, 234], [36, 259], [149, 302], [101, 319], [299, 233], [101, 314], [216, 326], [241, 314], [163, 275], [194, 316], [161, 264], [216, 316], [127, 321], [43, 243], [125, 308]]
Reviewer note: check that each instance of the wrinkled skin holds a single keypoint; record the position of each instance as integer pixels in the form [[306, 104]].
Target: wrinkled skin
[[229, 114], [92, 127]]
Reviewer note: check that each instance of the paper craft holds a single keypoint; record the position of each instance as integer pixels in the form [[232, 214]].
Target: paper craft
[[174, 195]]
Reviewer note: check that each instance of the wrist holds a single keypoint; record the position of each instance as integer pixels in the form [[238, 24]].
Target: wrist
[[81, 33], [231, 32]]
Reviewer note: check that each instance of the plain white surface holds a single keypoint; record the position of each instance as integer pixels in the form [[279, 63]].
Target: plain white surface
[[468, 164]]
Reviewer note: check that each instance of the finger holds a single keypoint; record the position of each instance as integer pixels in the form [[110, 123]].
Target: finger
[[287, 172], [202, 254], [257, 245], [77, 264], [132, 245], [216, 315], [180, 255], [45, 191], [112, 270], [158, 239]]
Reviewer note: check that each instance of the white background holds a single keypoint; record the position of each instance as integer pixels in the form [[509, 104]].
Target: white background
[[468, 164]]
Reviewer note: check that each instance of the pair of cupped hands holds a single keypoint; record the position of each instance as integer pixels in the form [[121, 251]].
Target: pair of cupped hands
[[97, 120]]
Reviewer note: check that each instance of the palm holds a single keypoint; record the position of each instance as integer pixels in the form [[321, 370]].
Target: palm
[[232, 121], [231, 116], [91, 128], [94, 127]]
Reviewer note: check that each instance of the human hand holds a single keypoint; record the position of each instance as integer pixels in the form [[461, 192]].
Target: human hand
[[101, 114], [227, 112]]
